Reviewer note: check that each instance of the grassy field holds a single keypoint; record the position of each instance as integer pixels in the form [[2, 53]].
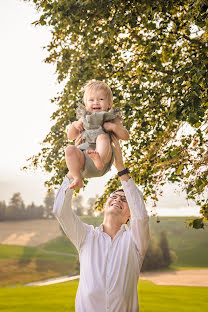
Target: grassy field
[[26, 253], [61, 297], [20, 265], [60, 244]]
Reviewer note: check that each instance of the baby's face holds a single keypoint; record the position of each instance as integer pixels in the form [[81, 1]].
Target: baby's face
[[97, 101]]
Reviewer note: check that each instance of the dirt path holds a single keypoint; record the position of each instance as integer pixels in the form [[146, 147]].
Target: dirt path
[[198, 277], [173, 278], [53, 252], [56, 280], [28, 233]]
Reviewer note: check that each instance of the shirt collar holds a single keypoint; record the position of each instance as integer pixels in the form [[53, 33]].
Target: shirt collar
[[123, 227]]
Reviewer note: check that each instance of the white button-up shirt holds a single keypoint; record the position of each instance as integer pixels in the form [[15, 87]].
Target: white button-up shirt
[[109, 269]]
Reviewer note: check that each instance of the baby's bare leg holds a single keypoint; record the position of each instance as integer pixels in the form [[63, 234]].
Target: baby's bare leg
[[102, 154], [75, 162]]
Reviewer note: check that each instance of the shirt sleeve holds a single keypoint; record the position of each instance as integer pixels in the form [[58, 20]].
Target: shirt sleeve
[[73, 227], [139, 222]]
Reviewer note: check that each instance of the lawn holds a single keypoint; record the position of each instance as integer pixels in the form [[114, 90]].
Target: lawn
[[60, 244], [21, 265], [60, 297], [26, 253]]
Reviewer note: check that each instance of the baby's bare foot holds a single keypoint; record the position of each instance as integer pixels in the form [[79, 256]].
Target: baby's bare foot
[[95, 156], [76, 184]]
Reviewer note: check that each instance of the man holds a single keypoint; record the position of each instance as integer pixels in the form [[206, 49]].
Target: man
[[111, 255]]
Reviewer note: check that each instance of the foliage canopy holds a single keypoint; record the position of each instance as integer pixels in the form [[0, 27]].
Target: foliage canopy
[[153, 55]]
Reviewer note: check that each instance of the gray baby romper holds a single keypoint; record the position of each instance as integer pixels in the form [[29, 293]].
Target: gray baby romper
[[92, 124]]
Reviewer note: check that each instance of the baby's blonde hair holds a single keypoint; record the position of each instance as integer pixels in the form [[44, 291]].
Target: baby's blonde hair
[[93, 85]]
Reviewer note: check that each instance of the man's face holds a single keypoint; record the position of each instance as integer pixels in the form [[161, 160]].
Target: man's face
[[117, 205], [97, 101]]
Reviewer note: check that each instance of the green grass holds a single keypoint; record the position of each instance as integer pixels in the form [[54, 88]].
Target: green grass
[[25, 253], [58, 297], [61, 297], [60, 244], [96, 221], [21, 265], [172, 298]]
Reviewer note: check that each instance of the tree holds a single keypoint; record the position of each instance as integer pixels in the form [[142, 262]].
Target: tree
[[49, 201], [153, 259], [153, 55], [163, 243], [77, 205], [158, 255], [34, 212], [2, 210], [16, 208], [91, 204]]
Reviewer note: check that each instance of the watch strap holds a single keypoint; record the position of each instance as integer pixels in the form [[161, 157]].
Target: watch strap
[[125, 171]]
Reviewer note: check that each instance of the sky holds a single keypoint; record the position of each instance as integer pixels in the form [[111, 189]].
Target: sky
[[27, 84]]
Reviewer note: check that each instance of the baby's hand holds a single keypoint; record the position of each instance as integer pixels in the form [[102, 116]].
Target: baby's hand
[[108, 126], [78, 125]]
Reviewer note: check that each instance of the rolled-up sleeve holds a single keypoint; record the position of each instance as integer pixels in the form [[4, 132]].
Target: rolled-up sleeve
[[139, 222], [71, 224]]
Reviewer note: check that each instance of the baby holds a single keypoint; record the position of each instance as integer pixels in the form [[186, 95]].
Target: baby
[[97, 120]]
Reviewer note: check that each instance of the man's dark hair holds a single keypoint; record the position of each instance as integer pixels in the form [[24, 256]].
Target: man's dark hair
[[120, 190]]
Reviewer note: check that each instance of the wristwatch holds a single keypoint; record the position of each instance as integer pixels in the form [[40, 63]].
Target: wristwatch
[[125, 171]]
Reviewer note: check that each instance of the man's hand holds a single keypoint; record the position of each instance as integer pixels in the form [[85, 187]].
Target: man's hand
[[75, 129], [78, 125], [108, 126], [78, 140], [117, 128]]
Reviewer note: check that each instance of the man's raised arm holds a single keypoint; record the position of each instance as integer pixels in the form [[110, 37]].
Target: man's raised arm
[[139, 221], [73, 227]]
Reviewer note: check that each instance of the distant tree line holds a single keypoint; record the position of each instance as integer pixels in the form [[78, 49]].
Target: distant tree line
[[17, 210]]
